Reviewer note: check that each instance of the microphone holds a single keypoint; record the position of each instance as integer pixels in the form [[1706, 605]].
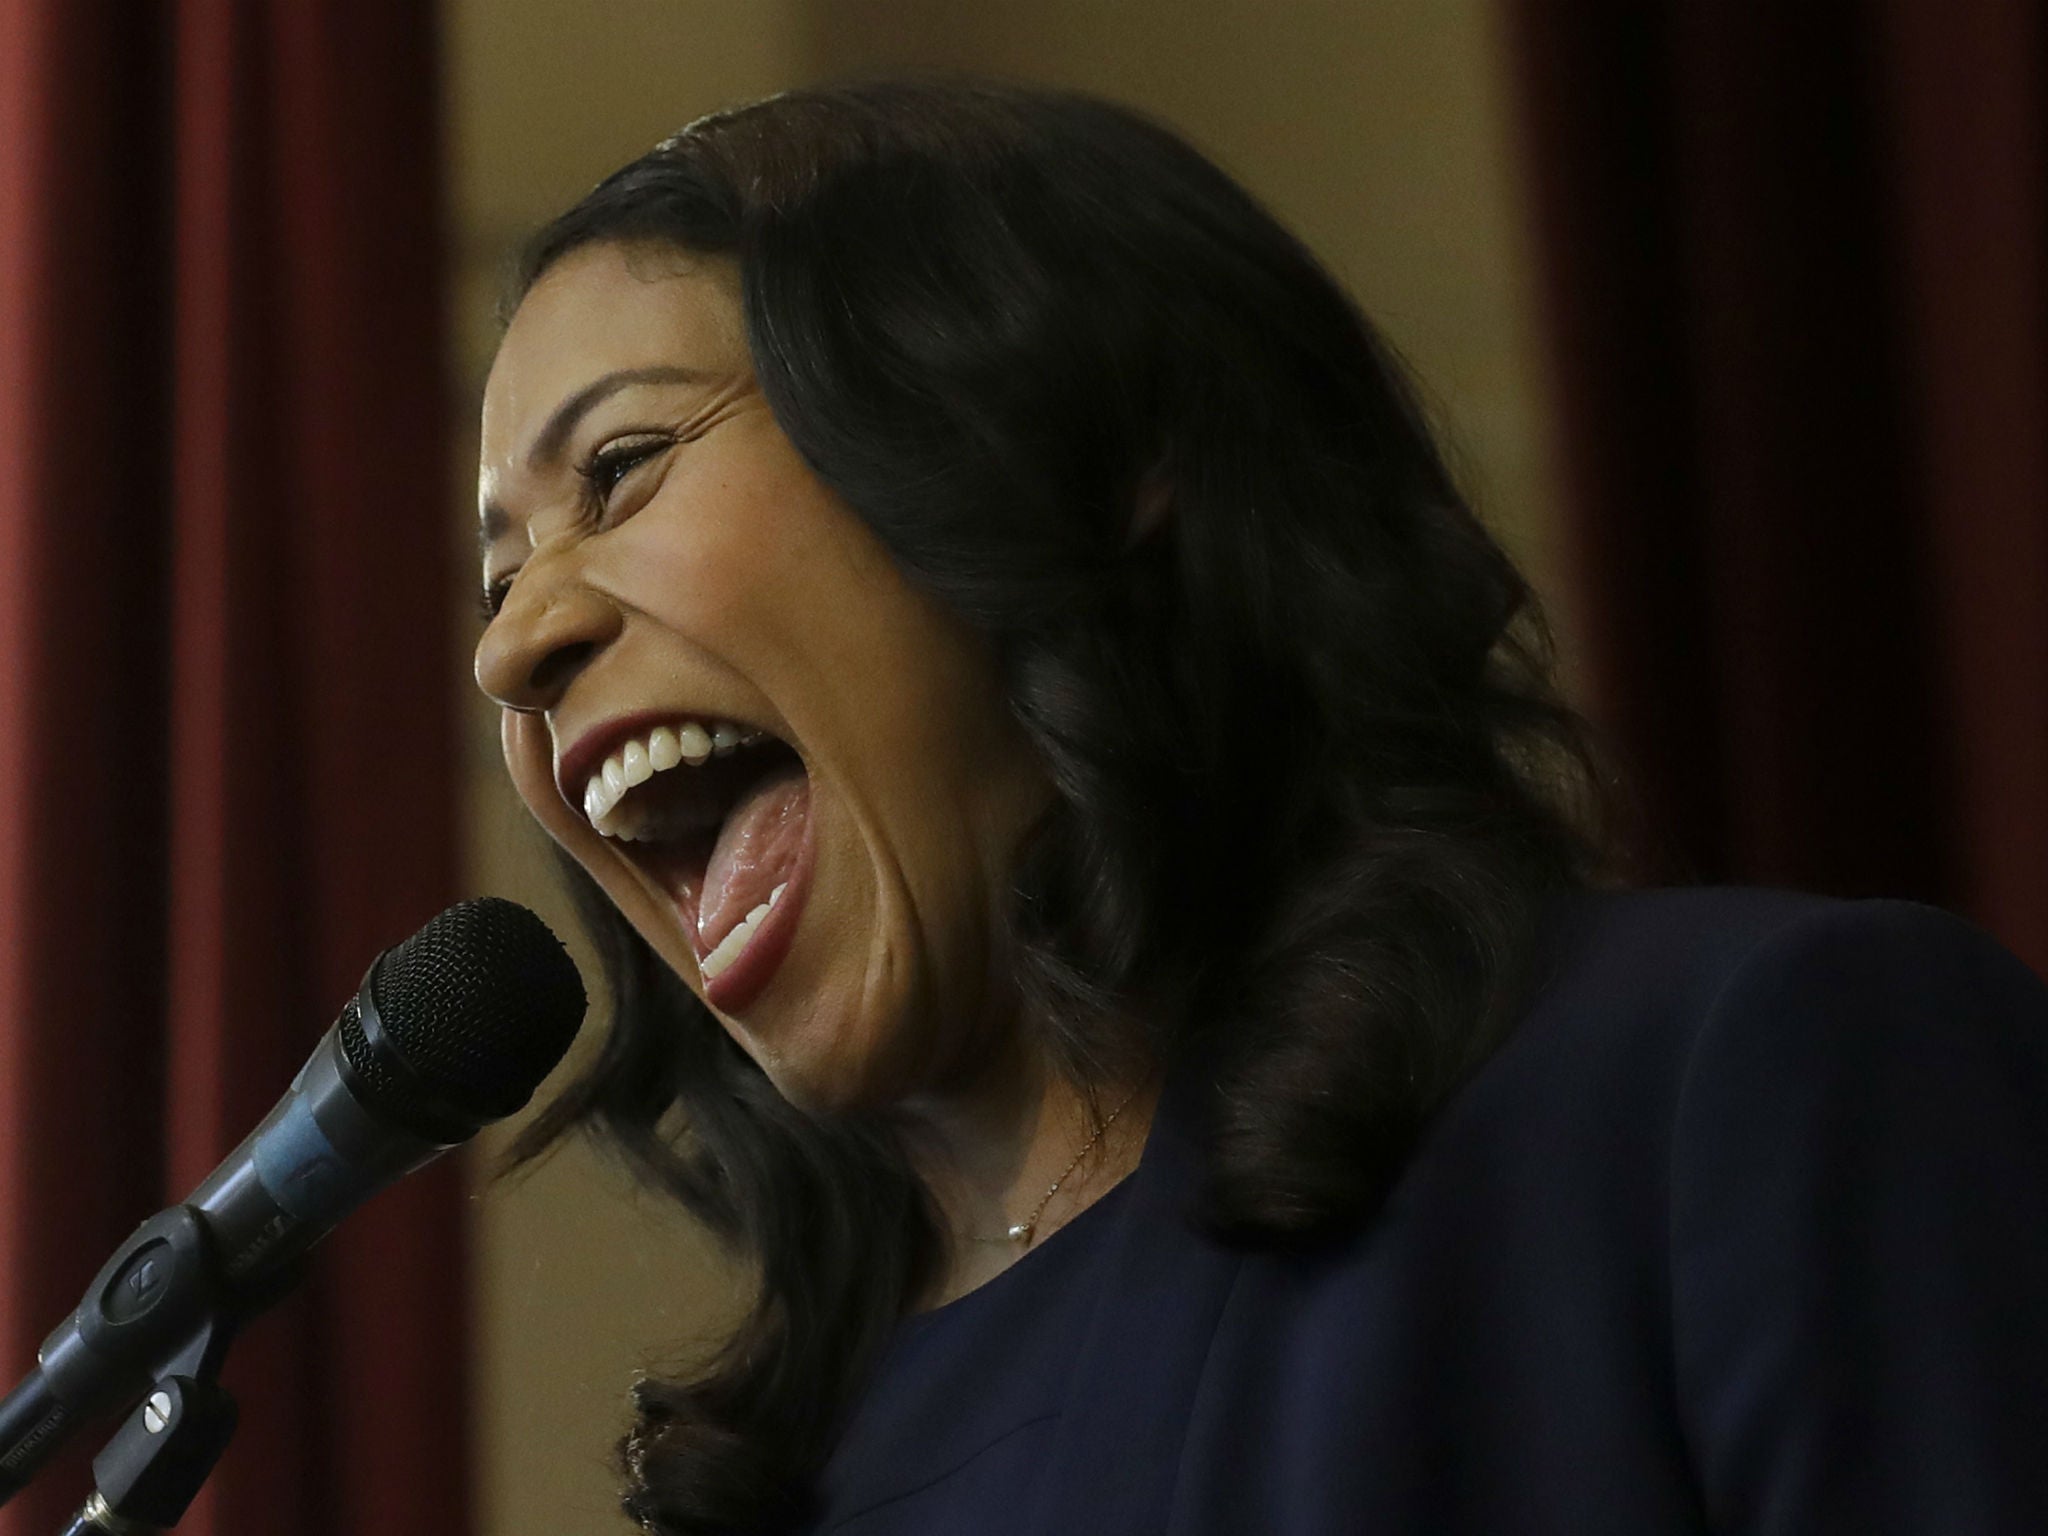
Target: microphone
[[450, 1031]]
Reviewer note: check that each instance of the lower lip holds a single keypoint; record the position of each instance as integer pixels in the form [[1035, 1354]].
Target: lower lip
[[736, 987]]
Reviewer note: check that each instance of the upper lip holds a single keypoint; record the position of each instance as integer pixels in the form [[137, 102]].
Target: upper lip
[[583, 757]]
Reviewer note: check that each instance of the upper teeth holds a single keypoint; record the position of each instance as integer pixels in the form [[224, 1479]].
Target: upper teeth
[[637, 761]]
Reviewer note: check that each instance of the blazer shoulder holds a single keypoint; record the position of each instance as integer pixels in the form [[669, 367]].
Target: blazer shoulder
[[1656, 959], [1850, 989], [1697, 955], [1632, 981], [1857, 1173], [1616, 939]]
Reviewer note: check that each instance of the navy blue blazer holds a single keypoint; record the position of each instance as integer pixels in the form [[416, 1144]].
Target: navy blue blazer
[[1744, 1230]]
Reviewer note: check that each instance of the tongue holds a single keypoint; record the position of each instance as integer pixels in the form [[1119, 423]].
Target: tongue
[[756, 849]]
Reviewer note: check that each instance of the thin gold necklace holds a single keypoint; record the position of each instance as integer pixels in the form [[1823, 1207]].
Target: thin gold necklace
[[1023, 1230]]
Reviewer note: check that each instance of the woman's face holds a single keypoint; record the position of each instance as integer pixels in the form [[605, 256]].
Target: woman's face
[[674, 579]]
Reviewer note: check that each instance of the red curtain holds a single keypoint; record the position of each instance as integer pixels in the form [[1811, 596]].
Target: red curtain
[[227, 755], [1796, 263]]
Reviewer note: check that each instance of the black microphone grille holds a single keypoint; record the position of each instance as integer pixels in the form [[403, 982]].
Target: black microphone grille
[[480, 1004]]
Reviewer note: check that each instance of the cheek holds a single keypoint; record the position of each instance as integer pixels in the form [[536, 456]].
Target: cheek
[[529, 761], [717, 550]]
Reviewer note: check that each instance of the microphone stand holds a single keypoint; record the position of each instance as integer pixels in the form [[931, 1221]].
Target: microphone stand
[[157, 1461]]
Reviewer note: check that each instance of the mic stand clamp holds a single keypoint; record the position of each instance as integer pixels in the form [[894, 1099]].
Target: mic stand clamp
[[153, 1467], [149, 1473]]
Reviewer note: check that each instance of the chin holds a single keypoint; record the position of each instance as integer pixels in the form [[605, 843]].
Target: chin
[[831, 1081], [816, 1093]]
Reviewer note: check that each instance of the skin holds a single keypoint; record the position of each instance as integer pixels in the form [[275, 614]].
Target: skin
[[716, 576]]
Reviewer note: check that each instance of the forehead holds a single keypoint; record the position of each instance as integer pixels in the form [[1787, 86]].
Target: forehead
[[603, 310]]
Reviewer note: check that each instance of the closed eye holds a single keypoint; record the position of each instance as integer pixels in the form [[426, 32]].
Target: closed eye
[[601, 474], [607, 466], [492, 598]]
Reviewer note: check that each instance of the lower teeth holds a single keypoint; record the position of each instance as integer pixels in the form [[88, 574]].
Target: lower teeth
[[729, 947]]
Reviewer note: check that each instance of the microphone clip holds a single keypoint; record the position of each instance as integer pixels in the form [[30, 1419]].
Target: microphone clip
[[161, 1301], [158, 1460]]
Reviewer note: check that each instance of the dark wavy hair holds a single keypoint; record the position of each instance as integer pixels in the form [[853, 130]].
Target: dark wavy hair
[[1315, 786]]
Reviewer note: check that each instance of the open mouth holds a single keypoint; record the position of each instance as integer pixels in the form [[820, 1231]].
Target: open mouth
[[718, 817]]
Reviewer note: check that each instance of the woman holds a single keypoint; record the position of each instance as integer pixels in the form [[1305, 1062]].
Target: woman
[[1106, 911]]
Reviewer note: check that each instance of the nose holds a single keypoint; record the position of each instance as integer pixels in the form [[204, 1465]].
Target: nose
[[551, 627]]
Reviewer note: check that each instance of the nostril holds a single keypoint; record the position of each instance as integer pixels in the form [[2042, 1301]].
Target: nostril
[[551, 627], [559, 665]]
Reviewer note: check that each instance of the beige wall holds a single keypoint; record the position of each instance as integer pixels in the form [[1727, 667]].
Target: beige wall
[[1376, 128]]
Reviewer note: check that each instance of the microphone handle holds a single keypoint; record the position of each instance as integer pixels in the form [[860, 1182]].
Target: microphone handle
[[30, 1419], [317, 1156]]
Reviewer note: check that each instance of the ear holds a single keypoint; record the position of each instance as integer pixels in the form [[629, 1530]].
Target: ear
[[1153, 502]]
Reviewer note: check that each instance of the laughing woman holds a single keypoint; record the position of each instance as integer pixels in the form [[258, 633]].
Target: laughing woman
[[1108, 916]]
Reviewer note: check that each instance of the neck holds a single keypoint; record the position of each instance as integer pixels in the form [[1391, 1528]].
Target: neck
[[988, 1156]]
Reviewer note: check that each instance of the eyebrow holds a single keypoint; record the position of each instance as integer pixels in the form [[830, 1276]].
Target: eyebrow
[[547, 446]]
